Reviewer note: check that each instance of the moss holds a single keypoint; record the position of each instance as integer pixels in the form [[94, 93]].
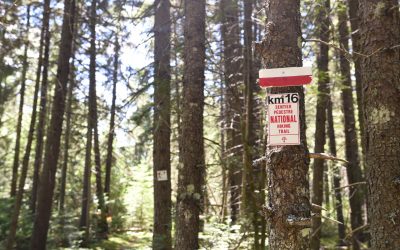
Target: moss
[[380, 9], [190, 189], [381, 115]]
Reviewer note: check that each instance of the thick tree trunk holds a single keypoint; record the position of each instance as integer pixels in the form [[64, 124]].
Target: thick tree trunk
[[288, 207], [190, 184], [354, 173], [336, 176], [231, 61], [380, 36], [162, 128], [24, 170], [52, 150], [43, 107], [322, 99]]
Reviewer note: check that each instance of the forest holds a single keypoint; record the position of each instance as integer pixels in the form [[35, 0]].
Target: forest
[[200, 124]]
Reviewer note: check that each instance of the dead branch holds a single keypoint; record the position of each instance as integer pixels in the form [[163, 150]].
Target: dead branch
[[318, 207], [352, 184], [325, 156]]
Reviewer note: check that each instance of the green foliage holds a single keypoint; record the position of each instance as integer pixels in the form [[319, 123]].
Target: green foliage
[[222, 236], [24, 229]]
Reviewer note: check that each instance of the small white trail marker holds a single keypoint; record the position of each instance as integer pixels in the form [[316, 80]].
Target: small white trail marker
[[282, 77], [162, 175]]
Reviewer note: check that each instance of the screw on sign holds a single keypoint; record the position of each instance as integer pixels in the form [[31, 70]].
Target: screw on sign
[[283, 119], [281, 77], [283, 109]]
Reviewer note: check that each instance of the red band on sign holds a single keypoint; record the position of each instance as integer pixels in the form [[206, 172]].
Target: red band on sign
[[285, 81]]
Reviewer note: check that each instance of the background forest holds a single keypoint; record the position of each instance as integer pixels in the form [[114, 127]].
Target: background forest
[[138, 124]]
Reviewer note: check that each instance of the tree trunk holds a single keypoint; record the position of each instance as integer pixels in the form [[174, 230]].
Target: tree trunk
[[84, 223], [43, 107], [288, 208], [190, 184], [353, 6], [336, 176], [102, 229], [111, 133], [67, 136], [249, 203], [45, 26], [322, 99], [231, 59], [24, 170], [380, 36], [354, 173], [20, 110], [52, 150], [162, 128]]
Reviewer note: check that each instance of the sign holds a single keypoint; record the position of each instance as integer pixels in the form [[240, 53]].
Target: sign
[[283, 119], [281, 77], [162, 175]]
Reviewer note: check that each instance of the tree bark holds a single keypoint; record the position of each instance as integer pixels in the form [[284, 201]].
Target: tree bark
[[322, 99], [380, 36], [288, 207], [52, 150], [190, 184], [354, 173], [162, 127], [43, 107]]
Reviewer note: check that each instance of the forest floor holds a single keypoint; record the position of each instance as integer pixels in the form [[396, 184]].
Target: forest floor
[[129, 240]]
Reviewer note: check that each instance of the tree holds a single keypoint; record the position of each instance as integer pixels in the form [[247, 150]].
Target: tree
[[162, 127], [249, 183], [288, 207], [52, 149], [67, 139], [20, 110], [355, 40], [379, 38], [232, 66], [336, 175], [111, 133], [93, 134], [190, 183], [24, 170], [354, 173], [43, 106], [322, 100]]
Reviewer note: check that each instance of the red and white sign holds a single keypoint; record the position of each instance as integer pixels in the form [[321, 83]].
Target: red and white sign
[[283, 119], [280, 77]]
